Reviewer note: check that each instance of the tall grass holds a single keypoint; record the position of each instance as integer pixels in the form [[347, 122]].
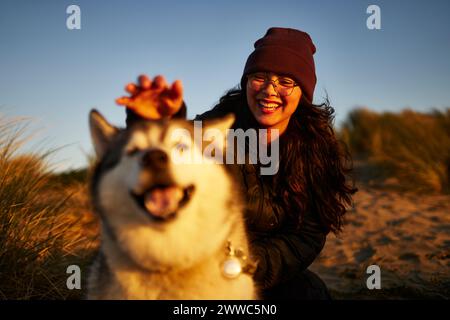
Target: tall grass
[[412, 147], [41, 228]]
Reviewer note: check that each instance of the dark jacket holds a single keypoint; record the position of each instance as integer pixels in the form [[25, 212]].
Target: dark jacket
[[283, 250]]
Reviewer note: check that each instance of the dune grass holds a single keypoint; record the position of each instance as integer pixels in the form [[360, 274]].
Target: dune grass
[[41, 227], [409, 148]]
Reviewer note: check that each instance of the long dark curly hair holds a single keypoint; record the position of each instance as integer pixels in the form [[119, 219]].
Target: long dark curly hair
[[317, 165]]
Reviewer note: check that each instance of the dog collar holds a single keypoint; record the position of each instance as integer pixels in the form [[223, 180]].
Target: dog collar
[[236, 262]]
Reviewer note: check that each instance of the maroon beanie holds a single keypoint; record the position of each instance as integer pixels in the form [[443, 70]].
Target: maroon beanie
[[288, 52]]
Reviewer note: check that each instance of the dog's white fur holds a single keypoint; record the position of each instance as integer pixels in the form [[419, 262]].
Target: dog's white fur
[[178, 259]]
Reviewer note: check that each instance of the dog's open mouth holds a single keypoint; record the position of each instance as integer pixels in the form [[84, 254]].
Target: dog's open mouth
[[162, 202]]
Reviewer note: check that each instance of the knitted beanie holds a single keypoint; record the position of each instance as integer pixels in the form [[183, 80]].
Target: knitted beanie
[[288, 52]]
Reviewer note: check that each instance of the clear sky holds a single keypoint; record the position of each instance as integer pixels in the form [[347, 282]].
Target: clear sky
[[55, 75]]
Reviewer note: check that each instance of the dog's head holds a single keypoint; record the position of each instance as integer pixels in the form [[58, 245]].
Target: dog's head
[[161, 200]]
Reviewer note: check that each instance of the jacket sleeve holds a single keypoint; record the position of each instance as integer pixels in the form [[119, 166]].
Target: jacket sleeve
[[284, 253]]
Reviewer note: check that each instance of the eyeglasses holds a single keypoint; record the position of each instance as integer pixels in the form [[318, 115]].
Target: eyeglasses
[[282, 85]]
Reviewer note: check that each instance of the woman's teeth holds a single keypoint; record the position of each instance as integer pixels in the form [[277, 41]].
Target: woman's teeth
[[268, 105]]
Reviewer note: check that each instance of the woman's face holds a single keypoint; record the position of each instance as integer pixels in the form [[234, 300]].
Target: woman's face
[[271, 109]]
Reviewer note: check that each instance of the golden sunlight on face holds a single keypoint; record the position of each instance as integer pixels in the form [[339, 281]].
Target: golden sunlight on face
[[270, 109]]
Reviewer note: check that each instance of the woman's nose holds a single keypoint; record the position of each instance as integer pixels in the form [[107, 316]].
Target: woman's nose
[[270, 88]]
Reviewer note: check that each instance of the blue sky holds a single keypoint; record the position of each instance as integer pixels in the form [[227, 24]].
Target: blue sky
[[55, 75]]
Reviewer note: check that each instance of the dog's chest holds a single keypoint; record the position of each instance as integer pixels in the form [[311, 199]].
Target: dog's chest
[[199, 285]]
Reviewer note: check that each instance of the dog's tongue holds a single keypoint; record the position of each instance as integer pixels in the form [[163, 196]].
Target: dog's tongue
[[163, 201]]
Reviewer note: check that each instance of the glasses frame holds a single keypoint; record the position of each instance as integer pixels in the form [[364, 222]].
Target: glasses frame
[[274, 83]]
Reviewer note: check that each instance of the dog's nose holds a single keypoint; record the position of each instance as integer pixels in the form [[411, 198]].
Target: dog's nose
[[157, 159]]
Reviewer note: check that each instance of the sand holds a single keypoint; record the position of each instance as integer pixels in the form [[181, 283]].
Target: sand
[[405, 234]]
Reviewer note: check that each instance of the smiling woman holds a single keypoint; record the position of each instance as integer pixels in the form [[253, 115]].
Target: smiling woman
[[272, 99], [289, 213]]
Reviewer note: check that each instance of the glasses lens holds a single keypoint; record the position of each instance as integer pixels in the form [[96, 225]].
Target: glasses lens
[[284, 91], [283, 86]]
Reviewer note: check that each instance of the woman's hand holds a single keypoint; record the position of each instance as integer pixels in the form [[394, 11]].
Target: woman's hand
[[153, 100]]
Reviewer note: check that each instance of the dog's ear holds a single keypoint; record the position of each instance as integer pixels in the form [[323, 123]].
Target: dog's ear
[[221, 124], [102, 132]]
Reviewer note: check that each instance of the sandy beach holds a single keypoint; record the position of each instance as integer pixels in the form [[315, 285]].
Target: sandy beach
[[405, 234]]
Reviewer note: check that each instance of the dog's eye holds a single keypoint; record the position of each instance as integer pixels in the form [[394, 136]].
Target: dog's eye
[[181, 147], [132, 151], [181, 152]]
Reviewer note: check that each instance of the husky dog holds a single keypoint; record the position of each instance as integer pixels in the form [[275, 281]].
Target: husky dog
[[170, 230]]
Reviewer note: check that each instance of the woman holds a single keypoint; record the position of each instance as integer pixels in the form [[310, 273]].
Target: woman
[[290, 213]]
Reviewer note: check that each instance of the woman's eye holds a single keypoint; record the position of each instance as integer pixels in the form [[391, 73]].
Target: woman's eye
[[259, 78], [286, 83]]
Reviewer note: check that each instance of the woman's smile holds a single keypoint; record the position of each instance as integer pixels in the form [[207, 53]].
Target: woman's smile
[[269, 106]]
